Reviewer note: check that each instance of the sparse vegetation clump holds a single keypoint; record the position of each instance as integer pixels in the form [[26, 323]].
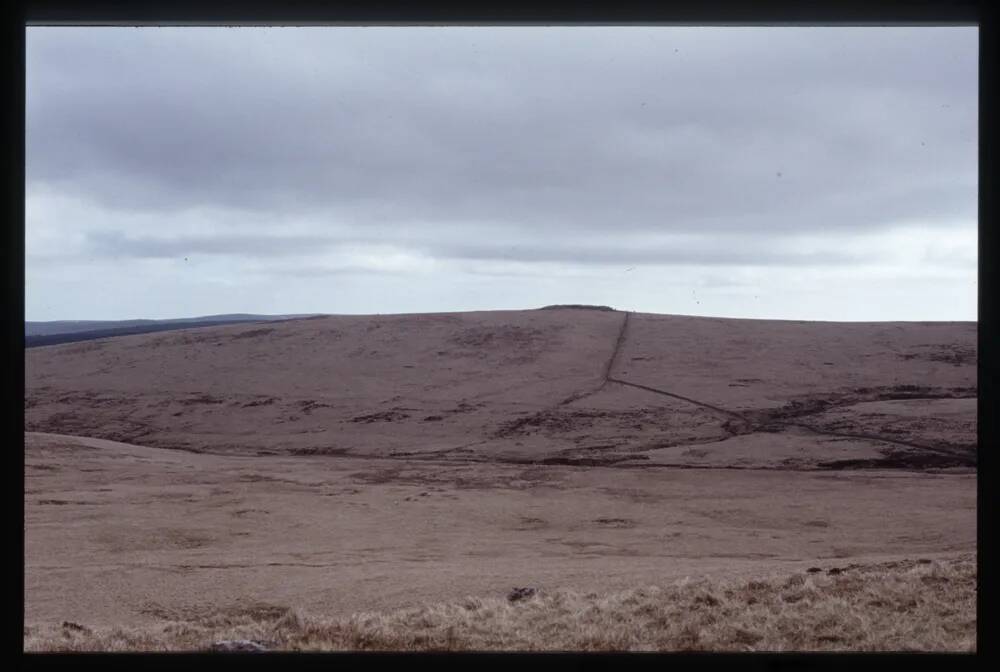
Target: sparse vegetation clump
[[918, 605]]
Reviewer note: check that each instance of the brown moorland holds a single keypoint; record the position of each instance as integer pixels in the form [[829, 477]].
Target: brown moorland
[[352, 464], [857, 607]]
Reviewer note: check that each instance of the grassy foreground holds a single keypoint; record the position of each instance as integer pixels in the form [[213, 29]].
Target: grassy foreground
[[916, 605]]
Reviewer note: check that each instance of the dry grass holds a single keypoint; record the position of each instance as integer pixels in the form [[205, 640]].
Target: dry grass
[[902, 606]]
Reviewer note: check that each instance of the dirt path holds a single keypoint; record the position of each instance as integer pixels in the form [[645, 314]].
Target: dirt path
[[767, 425], [616, 352], [874, 437], [608, 365], [759, 427], [723, 411], [576, 396]]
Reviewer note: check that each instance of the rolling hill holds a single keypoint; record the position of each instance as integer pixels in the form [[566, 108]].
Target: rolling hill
[[556, 386], [38, 334]]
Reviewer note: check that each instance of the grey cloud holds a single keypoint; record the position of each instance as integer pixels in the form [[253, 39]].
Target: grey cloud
[[328, 271], [711, 252], [493, 146], [118, 244], [723, 253], [565, 132], [719, 251]]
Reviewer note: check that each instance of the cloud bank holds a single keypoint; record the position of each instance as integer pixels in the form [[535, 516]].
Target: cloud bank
[[386, 169]]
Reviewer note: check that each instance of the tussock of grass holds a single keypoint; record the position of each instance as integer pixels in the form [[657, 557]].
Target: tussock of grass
[[903, 606]]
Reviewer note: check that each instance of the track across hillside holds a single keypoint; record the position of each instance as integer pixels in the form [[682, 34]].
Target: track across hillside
[[769, 425]]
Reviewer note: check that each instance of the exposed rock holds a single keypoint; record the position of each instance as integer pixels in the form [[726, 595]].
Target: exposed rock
[[577, 306]]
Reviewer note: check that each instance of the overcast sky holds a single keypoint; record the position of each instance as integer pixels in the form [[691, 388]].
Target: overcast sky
[[799, 173]]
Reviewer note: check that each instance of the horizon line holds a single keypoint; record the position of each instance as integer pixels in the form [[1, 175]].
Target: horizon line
[[591, 307]]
